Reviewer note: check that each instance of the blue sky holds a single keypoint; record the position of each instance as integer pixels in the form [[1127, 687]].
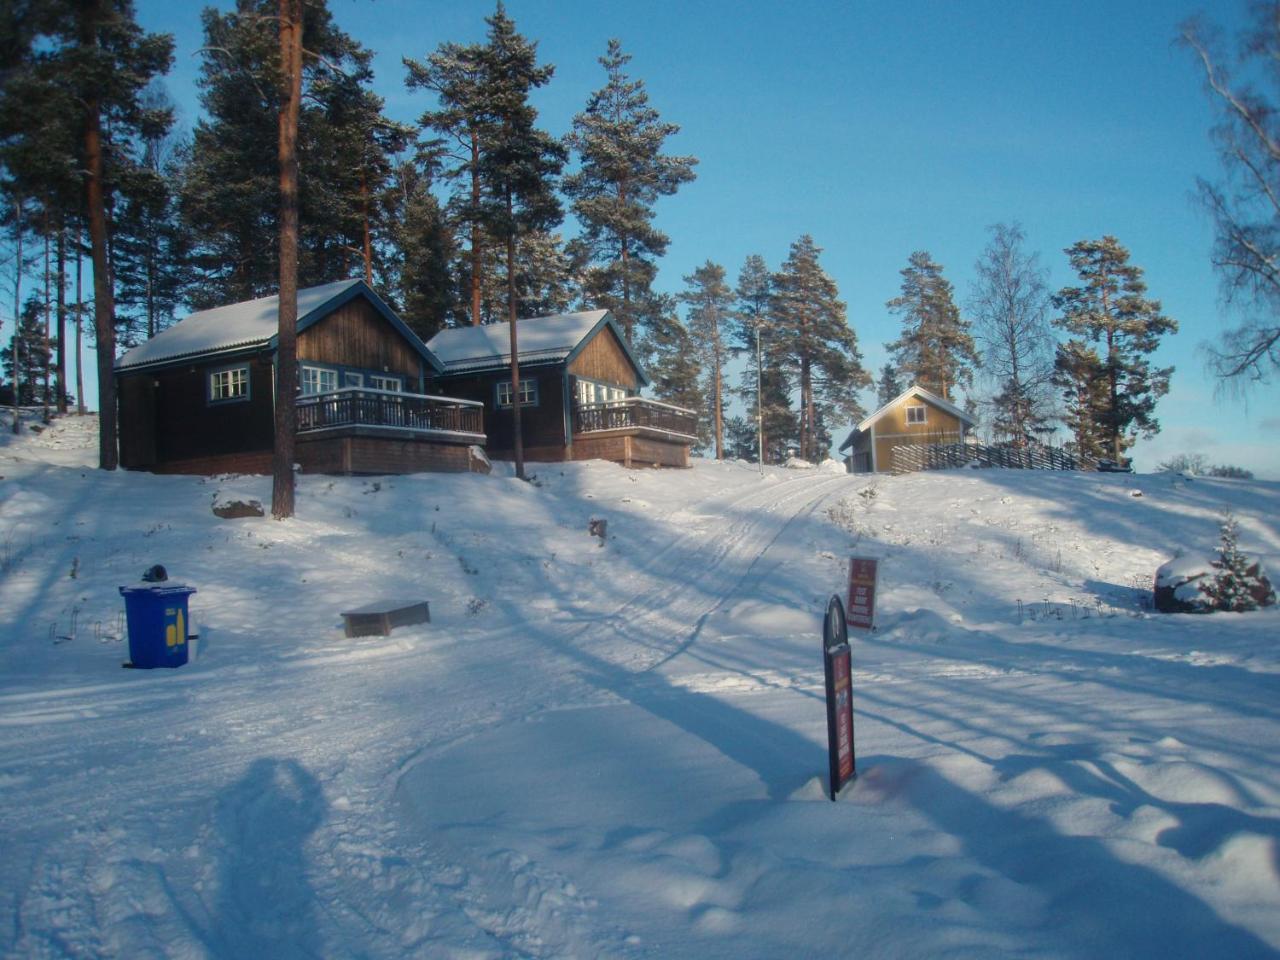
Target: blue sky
[[884, 128]]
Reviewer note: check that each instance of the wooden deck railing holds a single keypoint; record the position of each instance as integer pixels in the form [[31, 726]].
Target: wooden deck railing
[[416, 412], [635, 412]]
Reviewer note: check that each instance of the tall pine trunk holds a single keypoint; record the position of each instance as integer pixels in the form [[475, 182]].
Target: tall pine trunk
[[476, 246], [48, 323], [367, 247], [80, 409], [61, 368], [719, 391], [282, 499], [104, 321], [17, 311], [515, 355]]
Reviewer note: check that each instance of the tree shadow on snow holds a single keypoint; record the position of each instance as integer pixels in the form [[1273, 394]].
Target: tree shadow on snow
[[1094, 902]]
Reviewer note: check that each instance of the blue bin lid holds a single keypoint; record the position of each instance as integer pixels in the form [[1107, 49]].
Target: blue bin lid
[[159, 590]]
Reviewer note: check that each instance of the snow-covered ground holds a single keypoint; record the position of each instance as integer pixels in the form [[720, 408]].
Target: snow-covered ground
[[618, 749]]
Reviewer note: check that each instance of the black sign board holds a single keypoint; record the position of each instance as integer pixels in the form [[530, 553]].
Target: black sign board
[[839, 677]]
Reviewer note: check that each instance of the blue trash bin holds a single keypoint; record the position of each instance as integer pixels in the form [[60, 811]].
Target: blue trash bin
[[157, 615]]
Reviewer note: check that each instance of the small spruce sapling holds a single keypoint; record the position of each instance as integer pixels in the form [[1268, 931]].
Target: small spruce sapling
[[1238, 580]]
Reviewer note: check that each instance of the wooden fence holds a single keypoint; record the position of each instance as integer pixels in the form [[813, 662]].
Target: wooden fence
[[908, 458]]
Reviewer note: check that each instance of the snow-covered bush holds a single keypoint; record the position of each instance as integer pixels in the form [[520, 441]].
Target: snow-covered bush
[[1196, 584], [1240, 583]]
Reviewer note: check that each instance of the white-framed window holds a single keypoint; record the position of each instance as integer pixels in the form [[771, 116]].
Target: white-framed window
[[352, 378], [591, 392], [394, 384], [229, 383], [318, 380], [916, 414], [528, 393]]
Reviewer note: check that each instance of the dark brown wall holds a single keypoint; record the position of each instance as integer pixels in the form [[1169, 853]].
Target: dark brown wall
[[356, 335], [165, 416], [371, 455], [137, 399], [543, 425]]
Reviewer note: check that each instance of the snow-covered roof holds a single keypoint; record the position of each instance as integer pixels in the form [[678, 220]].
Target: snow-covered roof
[[915, 389], [252, 323], [552, 339]]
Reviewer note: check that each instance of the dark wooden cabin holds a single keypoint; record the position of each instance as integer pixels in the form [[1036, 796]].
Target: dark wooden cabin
[[580, 391], [199, 397]]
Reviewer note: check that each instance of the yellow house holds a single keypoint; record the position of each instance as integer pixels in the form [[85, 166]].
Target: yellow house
[[915, 417]]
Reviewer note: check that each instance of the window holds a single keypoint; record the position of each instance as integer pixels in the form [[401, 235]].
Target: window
[[231, 383], [528, 393], [351, 379], [591, 392], [318, 380], [393, 384], [916, 414]]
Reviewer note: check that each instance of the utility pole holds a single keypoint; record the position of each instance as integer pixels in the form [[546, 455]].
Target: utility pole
[[759, 401]]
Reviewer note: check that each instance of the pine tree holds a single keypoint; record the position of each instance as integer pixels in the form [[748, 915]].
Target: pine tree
[[1078, 373], [935, 349], [458, 76], [290, 28], [673, 364], [764, 386], [1010, 303], [150, 248], [349, 148], [888, 387], [542, 278], [816, 344], [1237, 585], [229, 192], [420, 249], [1109, 309], [741, 440], [32, 348], [622, 172], [519, 168], [710, 304]]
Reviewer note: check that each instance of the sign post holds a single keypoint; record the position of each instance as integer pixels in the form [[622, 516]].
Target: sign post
[[839, 681], [861, 600]]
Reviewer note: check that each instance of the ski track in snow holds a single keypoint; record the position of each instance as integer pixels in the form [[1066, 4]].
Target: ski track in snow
[[618, 752]]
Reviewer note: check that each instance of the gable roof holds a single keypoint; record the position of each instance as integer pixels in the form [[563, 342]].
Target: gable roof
[[915, 389], [540, 340], [255, 324]]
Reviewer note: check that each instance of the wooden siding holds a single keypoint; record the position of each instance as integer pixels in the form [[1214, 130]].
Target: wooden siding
[[165, 415], [137, 398], [377, 455], [604, 361], [542, 425], [892, 430], [337, 455], [631, 448], [258, 463], [356, 335]]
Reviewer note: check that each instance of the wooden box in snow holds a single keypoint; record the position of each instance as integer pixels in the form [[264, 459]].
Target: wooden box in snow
[[379, 619]]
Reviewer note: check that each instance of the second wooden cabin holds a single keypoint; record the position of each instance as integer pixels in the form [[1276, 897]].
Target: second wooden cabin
[[579, 391]]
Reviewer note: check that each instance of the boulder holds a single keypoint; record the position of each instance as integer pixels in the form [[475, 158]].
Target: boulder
[[1183, 584], [234, 509]]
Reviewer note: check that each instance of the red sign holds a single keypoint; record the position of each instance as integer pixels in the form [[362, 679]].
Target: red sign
[[839, 683], [861, 600]]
